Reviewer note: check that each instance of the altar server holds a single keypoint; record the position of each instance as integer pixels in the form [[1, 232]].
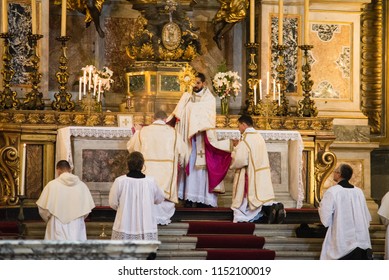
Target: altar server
[[133, 196], [163, 150], [344, 211], [64, 204], [383, 212], [253, 197]]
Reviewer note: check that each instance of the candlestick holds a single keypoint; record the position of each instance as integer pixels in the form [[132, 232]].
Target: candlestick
[[33, 16], [23, 172], [63, 18], [90, 76], [4, 16], [99, 91], [260, 89], [280, 21], [306, 22], [279, 94], [252, 21], [255, 94]]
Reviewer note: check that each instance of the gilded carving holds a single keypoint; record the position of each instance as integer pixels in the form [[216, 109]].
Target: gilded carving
[[93, 120], [19, 118], [233, 122], [221, 121], [49, 118], [372, 81], [65, 119], [79, 119], [33, 118], [110, 120], [4, 118], [289, 124]]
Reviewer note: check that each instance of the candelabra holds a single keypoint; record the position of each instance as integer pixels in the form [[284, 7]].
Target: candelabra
[[252, 80], [63, 98], [33, 99], [281, 68], [307, 106], [90, 103], [8, 98]]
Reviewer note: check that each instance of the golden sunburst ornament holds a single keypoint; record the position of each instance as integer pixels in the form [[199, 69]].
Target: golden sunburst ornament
[[187, 77]]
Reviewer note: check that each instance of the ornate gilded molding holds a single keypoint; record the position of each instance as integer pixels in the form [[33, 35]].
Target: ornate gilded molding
[[9, 169], [325, 162], [372, 66]]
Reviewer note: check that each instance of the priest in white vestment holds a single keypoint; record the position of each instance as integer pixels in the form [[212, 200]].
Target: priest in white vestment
[[133, 196], [252, 187], [383, 212], [343, 210], [195, 119], [64, 204], [163, 150]]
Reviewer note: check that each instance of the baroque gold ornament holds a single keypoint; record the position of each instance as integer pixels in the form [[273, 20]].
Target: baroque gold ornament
[[187, 78]]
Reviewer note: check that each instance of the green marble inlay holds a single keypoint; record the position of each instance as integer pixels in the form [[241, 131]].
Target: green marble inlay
[[169, 83]]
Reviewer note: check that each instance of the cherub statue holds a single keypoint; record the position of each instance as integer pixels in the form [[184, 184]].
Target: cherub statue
[[90, 8], [230, 12]]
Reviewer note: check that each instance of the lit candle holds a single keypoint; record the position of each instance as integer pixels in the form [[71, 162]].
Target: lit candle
[[279, 94], [80, 90], [84, 83], [90, 76], [99, 91], [306, 22], [23, 172], [280, 21], [33, 16], [255, 94], [260, 89], [4, 16], [63, 18], [252, 21], [274, 89], [267, 83]]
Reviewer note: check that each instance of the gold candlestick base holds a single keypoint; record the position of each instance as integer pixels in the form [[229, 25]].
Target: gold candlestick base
[[307, 106], [33, 99], [8, 98], [63, 98], [281, 69]]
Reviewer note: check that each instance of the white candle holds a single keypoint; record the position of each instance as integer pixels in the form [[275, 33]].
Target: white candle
[[274, 89], [84, 83], [255, 94], [63, 18], [260, 89], [99, 91], [80, 90], [252, 21], [33, 16], [23, 172], [279, 94], [306, 22], [95, 77], [280, 21], [90, 76], [267, 83], [4, 16]]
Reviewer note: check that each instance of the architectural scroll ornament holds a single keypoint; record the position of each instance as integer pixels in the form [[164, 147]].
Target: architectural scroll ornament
[[9, 171], [325, 162]]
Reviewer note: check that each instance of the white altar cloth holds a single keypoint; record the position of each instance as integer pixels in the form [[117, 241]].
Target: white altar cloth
[[293, 138]]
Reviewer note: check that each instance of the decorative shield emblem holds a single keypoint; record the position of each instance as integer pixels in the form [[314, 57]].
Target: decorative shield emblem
[[171, 35]]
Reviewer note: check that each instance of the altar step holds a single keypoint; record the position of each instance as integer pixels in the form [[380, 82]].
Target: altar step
[[177, 245]]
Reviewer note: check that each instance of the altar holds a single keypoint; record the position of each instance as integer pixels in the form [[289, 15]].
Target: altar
[[98, 155]]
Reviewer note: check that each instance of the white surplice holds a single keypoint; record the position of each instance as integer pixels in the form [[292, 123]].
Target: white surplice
[[250, 158], [133, 199], [344, 211], [383, 212], [163, 150], [196, 113], [63, 204]]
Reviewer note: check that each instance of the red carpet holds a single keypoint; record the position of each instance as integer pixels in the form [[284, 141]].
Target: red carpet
[[235, 254], [9, 227], [230, 241], [220, 228]]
